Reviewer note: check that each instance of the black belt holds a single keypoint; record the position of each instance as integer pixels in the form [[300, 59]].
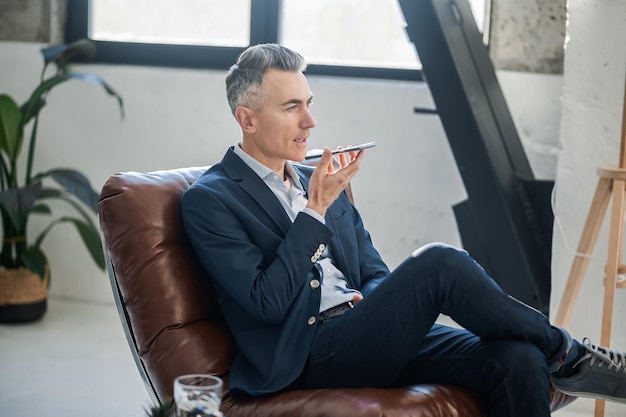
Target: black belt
[[337, 311]]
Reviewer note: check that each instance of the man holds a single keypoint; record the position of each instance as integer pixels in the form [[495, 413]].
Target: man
[[311, 303]]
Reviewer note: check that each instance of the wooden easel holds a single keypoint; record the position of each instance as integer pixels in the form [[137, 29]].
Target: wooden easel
[[612, 183]]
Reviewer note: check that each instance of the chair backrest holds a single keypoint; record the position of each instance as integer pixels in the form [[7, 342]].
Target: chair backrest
[[165, 299]]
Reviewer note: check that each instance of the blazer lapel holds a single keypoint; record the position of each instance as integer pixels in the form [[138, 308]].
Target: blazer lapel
[[250, 182]]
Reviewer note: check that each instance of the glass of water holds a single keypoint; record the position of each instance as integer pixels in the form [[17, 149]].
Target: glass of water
[[198, 395]]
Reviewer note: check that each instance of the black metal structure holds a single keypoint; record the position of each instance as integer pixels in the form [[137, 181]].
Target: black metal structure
[[506, 222]]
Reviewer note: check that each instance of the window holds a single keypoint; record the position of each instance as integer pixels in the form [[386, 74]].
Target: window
[[358, 38], [213, 22], [357, 33]]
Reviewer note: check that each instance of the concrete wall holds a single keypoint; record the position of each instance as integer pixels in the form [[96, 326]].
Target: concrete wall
[[527, 35], [32, 20]]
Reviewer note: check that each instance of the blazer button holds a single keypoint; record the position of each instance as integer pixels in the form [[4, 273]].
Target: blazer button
[[314, 258], [312, 320], [314, 283], [321, 247]]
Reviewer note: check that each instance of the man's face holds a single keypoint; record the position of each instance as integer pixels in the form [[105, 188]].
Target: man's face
[[281, 125]]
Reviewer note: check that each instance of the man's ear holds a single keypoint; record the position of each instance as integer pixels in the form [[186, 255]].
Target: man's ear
[[245, 117]]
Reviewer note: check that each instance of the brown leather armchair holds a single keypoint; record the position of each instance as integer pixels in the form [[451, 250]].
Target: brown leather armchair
[[174, 326]]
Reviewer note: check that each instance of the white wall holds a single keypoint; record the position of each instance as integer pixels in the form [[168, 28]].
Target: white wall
[[178, 118], [590, 130]]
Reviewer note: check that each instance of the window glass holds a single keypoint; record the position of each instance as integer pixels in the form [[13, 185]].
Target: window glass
[[361, 38], [367, 33], [478, 10], [185, 22]]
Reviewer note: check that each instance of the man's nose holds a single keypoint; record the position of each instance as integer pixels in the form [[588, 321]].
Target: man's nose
[[308, 120]]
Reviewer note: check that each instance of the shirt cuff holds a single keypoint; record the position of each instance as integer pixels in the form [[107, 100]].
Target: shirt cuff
[[314, 214]]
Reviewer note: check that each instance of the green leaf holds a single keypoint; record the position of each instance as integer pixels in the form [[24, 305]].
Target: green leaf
[[11, 127], [32, 109], [35, 260], [52, 193], [18, 202], [41, 209], [37, 99], [76, 184], [86, 227], [166, 409], [87, 231], [62, 54], [100, 81], [93, 241]]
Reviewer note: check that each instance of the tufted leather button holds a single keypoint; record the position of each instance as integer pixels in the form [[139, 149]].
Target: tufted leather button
[[314, 283], [312, 320]]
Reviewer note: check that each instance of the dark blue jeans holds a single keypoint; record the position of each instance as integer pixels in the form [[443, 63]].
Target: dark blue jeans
[[390, 338]]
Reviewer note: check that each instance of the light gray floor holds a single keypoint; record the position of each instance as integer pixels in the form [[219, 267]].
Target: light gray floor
[[76, 363]]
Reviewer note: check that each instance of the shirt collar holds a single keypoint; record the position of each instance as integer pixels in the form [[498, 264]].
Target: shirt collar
[[263, 171]]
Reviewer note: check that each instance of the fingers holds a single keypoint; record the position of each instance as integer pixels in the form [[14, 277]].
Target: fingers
[[356, 298], [357, 155], [327, 165], [327, 182], [342, 158], [327, 161]]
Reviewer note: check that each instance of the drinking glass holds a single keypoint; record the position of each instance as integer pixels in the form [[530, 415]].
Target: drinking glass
[[198, 395]]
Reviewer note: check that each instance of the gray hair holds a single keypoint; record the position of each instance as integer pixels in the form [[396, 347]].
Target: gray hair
[[244, 79]]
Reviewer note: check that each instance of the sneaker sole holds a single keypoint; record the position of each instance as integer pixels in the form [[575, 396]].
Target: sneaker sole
[[593, 395]]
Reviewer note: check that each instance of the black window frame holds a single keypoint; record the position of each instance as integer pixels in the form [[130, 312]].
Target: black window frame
[[263, 29]]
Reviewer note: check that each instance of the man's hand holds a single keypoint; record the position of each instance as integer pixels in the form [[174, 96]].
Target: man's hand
[[327, 182]]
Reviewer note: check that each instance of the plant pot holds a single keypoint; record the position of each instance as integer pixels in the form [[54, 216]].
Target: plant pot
[[23, 295]]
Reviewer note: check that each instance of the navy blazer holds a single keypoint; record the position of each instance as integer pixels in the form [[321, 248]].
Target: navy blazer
[[262, 267]]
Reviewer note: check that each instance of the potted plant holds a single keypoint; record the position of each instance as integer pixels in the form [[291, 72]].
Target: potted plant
[[24, 272]]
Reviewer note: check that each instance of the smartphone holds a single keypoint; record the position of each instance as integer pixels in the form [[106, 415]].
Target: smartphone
[[346, 149]]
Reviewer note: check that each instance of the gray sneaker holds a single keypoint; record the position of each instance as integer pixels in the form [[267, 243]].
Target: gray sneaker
[[601, 374]]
